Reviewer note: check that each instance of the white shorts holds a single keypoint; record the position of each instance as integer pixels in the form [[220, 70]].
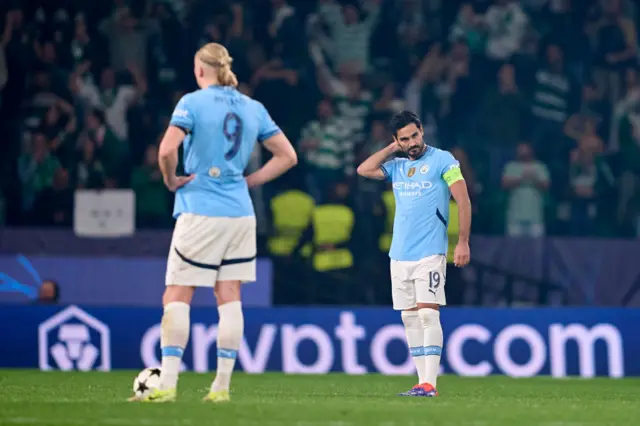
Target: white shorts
[[209, 249], [419, 281]]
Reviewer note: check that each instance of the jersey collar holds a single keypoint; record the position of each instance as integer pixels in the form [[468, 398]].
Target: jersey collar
[[225, 88]]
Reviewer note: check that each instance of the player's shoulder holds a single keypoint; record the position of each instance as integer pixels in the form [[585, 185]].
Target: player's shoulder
[[253, 103], [398, 160], [441, 155], [191, 98]]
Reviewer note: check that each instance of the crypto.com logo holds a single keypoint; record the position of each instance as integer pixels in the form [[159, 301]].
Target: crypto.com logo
[[11, 285], [66, 338]]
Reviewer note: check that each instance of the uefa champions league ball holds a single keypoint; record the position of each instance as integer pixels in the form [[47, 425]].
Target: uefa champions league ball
[[146, 382]]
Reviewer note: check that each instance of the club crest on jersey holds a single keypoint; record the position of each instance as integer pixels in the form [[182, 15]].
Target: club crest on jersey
[[424, 169], [411, 172], [214, 172]]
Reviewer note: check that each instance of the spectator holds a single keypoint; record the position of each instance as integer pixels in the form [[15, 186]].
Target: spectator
[[285, 32], [588, 174], [60, 130], [328, 151], [627, 104], [593, 112], [551, 105], [128, 39], [526, 180], [89, 171], [113, 152], [170, 59], [275, 84], [420, 93], [404, 39], [114, 99], [456, 91], [48, 60], [566, 30], [41, 97], [36, 169], [82, 47], [350, 32], [501, 114], [353, 103], [616, 47], [152, 206], [468, 28], [53, 206], [506, 24]]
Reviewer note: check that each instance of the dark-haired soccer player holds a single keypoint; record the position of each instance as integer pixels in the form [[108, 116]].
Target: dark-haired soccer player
[[422, 186]]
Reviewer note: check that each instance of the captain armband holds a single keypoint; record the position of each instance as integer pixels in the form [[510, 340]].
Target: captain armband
[[452, 175]]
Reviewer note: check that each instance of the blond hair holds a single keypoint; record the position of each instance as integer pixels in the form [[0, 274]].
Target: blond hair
[[217, 57]]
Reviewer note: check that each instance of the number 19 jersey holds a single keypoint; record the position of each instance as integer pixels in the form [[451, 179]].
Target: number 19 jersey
[[222, 127]]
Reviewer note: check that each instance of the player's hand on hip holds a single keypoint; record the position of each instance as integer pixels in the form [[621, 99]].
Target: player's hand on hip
[[461, 254], [178, 181]]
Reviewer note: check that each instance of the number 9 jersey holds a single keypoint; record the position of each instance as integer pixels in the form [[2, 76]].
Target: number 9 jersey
[[222, 126]]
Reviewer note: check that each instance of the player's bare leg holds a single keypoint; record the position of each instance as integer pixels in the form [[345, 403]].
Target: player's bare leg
[[230, 331]]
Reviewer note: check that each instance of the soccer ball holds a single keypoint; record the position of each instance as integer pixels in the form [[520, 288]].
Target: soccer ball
[[146, 382]]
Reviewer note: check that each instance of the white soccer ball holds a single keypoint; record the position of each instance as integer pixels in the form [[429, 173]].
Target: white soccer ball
[[146, 382]]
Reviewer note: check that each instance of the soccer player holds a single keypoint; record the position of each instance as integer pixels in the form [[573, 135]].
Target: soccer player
[[422, 185], [214, 240]]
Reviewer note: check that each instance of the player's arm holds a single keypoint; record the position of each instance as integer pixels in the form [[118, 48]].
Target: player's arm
[[182, 121], [168, 158], [458, 187], [372, 167], [284, 158]]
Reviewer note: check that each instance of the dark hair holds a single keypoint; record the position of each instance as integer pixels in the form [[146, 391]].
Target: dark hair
[[403, 119]]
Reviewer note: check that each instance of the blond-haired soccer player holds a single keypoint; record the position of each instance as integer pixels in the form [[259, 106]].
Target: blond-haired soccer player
[[214, 240], [422, 185]]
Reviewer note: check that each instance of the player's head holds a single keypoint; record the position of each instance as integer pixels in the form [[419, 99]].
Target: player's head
[[212, 65], [408, 133]]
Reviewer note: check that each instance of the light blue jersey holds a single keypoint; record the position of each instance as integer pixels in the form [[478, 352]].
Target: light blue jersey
[[422, 203], [222, 128]]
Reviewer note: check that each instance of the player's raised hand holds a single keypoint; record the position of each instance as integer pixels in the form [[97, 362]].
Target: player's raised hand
[[177, 182], [461, 254]]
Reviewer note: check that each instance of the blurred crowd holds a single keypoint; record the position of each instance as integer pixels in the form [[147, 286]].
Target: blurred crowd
[[538, 100]]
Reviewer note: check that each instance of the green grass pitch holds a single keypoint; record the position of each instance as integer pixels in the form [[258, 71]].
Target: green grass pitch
[[35, 398]]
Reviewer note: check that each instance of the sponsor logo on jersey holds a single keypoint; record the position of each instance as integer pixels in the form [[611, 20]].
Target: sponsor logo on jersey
[[424, 169], [214, 172], [181, 113], [412, 189], [412, 171]]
